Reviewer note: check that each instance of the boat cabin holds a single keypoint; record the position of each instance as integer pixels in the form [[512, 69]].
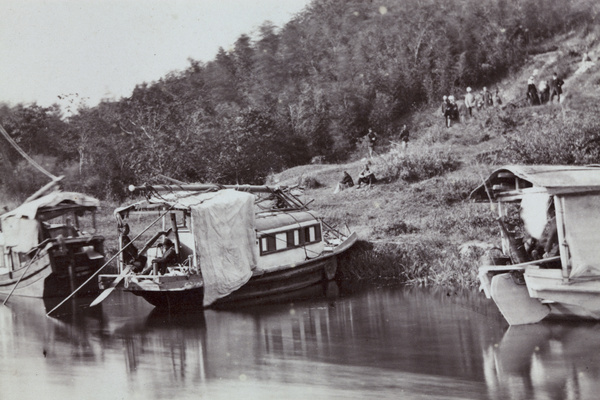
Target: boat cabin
[[56, 230], [534, 196], [279, 236]]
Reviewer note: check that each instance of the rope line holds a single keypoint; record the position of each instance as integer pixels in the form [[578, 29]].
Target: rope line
[[25, 155]]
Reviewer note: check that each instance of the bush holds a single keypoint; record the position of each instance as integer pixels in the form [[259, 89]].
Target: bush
[[420, 262], [310, 182], [414, 166], [554, 139]]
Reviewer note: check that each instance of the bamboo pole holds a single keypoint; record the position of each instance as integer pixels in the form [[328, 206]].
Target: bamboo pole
[[109, 261], [39, 249]]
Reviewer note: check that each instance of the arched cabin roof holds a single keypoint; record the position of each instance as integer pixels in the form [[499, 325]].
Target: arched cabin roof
[[510, 183]]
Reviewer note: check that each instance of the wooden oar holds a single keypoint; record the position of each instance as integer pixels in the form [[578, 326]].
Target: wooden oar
[[109, 261], [112, 287]]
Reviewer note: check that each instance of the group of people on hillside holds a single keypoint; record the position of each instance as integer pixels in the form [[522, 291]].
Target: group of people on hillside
[[545, 92], [366, 177], [484, 99]]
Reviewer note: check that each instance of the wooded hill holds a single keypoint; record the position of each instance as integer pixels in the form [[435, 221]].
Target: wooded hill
[[309, 89]]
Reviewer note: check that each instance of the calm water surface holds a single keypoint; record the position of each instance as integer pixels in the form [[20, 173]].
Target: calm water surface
[[387, 342]]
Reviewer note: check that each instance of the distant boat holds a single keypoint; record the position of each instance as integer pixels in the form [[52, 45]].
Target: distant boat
[[235, 245], [48, 246], [551, 261]]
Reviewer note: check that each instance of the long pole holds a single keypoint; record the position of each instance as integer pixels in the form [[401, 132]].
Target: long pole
[[198, 187], [109, 261], [24, 272]]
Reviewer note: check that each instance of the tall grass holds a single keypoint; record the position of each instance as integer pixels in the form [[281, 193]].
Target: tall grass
[[420, 261], [555, 137], [416, 165]]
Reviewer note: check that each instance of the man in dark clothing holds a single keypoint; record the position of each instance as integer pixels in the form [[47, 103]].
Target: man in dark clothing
[[532, 93], [372, 140], [169, 257], [556, 87], [404, 136], [487, 98]]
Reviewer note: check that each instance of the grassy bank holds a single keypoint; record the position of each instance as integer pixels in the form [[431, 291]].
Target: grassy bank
[[417, 225]]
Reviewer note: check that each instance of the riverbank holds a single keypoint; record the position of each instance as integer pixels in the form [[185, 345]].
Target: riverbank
[[418, 225]]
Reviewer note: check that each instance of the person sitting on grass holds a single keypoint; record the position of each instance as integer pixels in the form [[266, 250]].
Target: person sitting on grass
[[345, 183], [366, 176]]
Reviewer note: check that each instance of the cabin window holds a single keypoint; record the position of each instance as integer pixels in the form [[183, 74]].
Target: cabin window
[[267, 244], [312, 234], [281, 241], [293, 238], [270, 243]]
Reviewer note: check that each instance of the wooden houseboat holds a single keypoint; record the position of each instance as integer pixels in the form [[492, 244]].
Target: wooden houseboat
[[48, 246], [550, 224], [234, 245]]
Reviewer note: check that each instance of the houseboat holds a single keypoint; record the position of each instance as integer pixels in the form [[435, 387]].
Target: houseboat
[[48, 246], [550, 224], [234, 245]]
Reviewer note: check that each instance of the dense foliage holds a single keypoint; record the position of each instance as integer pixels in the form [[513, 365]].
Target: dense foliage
[[310, 89]]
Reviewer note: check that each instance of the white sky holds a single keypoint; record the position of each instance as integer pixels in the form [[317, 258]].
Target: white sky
[[103, 48]]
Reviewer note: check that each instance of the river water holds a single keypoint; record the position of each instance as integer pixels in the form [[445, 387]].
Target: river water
[[374, 342]]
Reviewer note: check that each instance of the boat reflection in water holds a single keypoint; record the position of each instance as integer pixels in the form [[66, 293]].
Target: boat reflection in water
[[385, 342], [545, 361]]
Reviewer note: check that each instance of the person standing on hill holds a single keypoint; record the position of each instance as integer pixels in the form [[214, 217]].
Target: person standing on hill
[[404, 136], [451, 112], [532, 93], [469, 102], [487, 98], [371, 141], [497, 98], [444, 104], [555, 87], [544, 89]]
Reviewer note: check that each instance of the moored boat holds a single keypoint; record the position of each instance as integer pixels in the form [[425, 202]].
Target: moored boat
[[234, 245], [48, 246], [549, 218]]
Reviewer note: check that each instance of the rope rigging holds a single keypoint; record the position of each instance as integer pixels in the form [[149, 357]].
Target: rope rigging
[[25, 155]]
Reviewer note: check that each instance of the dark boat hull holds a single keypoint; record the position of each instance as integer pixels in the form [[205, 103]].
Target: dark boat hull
[[40, 281], [269, 287], [187, 291]]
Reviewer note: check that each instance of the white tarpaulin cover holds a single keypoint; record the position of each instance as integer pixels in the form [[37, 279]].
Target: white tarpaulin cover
[[582, 222], [20, 233], [534, 213], [223, 227]]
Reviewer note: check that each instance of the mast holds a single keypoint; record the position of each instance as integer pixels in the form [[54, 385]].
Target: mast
[[203, 187]]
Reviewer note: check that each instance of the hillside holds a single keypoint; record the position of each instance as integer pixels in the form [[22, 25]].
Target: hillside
[[428, 231], [312, 90]]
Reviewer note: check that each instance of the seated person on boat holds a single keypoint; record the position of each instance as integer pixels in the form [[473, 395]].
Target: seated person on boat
[[169, 257], [547, 245], [131, 255]]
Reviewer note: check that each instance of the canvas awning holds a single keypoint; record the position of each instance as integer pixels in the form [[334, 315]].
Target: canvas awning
[[225, 240], [20, 226], [581, 221], [510, 182]]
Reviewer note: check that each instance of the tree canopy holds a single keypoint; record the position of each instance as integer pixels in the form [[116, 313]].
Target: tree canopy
[[311, 88]]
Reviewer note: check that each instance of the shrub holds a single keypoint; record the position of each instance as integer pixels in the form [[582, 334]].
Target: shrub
[[414, 166], [420, 262], [552, 139], [310, 182]]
